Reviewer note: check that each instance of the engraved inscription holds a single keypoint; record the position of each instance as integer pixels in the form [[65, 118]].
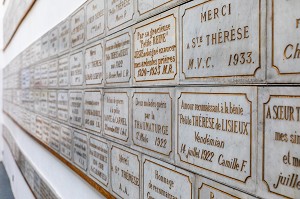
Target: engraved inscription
[[116, 115], [93, 111], [165, 182], [125, 173], [44, 102], [286, 29], [55, 137], [119, 12], [77, 28], [94, 64], [53, 42], [214, 133], [118, 59], [66, 142], [63, 71], [95, 19], [64, 36], [282, 145], [152, 126], [80, 150], [221, 39], [52, 74], [62, 105], [76, 69], [155, 50], [75, 107], [52, 98], [98, 160]]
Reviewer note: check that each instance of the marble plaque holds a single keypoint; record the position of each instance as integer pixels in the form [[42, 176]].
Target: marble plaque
[[152, 120], [279, 113], [52, 108], [95, 11], [37, 76], [44, 102], [284, 41], [46, 131], [162, 180], [77, 28], [55, 137], [118, 58], [216, 133], [80, 148], [53, 42], [39, 127], [52, 73], [93, 110], [75, 107], [98, 160], [45, 47], [66, 142], [119, 12], [62, 105], [206, 188], [76, 69], [116, 115], [155, 48], [94, 64], [44, 74], [221, 39], [63, 71], [125, 172], [64, 36], [36, 51], [37, 105]]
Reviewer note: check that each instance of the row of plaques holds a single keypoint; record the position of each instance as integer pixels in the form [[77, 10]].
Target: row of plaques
[[234, 135], [200, 42], [124, 172], [39, 187]]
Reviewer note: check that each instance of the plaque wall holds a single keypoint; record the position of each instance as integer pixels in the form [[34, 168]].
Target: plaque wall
[[175, 99]]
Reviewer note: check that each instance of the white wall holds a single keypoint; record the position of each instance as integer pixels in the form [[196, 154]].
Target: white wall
[[44, 15]]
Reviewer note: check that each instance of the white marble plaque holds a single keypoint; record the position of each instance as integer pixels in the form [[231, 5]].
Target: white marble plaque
[[206, 188], [46, 131], [44, 74], [80, 150], [77, 28], [37, 104], [163, 180], [53, 42], [95, 10], [94, 64], [39, 127], [125, 172], [62, 105], [64, 36], [66, 138], [76, 69], [116, 115], [98, 160], [37, 76], [93, 110], [55, 137], [221, 39], [119, 12], [118, 58], [52, 74], [75, 107], [155, 49], [44, 102], [63, 71], [279, 113], [152, 120], [285, 49], [44, 46], [52, 99], [216, 133]]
